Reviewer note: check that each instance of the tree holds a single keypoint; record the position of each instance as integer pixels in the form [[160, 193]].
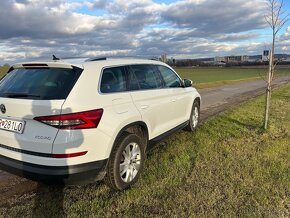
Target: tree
[[276, 18]]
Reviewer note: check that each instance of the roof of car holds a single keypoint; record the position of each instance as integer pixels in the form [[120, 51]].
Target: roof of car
[[82, 62], [120, 61]]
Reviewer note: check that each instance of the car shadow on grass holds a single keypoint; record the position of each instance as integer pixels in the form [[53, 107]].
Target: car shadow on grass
[[49, 201]]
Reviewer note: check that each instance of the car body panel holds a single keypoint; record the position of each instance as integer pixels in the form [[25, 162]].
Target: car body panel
[[36, 136], [161, 110]]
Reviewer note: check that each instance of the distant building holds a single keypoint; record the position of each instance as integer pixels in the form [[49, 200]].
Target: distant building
[[236, 59], [219, 59], [255, 58], [205, 60], [281, 57]]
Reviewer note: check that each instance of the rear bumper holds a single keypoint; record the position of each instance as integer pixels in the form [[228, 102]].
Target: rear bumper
[[75, 174]]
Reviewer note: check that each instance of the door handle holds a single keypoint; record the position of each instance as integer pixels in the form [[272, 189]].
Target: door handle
[[173, 100], [144, 107]]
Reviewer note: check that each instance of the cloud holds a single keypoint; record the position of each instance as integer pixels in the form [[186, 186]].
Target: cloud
[[125, 6], [34, 29], [45, 19], [235, 37], [211, 16], [97, 4]]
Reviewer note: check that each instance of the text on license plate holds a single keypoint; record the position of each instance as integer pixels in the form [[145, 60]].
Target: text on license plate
[[12, 125]]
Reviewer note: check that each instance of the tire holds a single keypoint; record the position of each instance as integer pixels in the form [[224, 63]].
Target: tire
[[131, 164], [194, 117]]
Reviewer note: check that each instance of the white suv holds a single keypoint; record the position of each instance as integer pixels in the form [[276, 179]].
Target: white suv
[[67, 122]]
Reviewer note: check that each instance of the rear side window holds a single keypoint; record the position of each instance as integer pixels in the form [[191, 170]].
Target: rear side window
[[113, 80], [170, 78], [144, 77], [39, 83]]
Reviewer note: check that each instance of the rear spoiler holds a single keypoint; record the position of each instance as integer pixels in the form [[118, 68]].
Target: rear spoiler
[[43, 65]]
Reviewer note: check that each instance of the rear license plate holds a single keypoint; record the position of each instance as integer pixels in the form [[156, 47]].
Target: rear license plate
[[12, 125]]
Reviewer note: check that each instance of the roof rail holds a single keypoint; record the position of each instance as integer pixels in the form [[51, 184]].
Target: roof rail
[[121, 57]]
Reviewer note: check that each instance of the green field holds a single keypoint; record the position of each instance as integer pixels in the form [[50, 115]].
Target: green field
[[230, 167], [209, 77]]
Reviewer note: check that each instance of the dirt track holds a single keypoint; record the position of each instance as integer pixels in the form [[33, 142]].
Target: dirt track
[[214, 101]]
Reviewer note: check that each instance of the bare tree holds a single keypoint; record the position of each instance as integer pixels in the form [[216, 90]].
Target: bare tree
[[276, 18]]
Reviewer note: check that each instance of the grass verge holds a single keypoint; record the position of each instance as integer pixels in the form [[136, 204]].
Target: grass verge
[[229, 167], [212, 77], [224, 82]]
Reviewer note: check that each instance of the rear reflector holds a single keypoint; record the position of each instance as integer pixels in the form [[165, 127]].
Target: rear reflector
[[81, 120], [69, 155]]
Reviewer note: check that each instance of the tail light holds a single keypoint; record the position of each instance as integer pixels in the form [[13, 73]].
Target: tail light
[[81, 120]]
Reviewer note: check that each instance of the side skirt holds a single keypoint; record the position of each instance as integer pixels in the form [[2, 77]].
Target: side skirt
[[163, 136]]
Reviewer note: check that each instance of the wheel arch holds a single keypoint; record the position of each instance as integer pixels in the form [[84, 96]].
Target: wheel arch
[[197, 99], [139, 128]]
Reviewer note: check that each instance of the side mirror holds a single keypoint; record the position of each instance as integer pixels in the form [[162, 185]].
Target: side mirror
[[187, 83]]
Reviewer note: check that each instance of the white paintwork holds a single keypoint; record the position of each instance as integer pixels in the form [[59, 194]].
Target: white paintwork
[[160, 109], [152, 105], [26, 110]]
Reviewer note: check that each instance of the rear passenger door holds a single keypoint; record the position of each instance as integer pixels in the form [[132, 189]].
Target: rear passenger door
[[181, 97], [115, 97], [151, 99]]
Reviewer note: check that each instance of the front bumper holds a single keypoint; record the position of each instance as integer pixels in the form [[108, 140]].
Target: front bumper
[[74, 174]]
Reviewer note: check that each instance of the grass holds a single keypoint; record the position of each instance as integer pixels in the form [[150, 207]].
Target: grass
[[229, 167], [212, 77], [3, 71]]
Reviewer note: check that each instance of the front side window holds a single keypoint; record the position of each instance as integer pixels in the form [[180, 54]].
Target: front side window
[[170, 78], [144, 77], [113, 80], [38, 83]]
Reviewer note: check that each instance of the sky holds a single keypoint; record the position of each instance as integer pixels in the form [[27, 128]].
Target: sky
[[36, 29]]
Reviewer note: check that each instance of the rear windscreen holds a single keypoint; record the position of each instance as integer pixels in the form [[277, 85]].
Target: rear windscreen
[[39, 83]]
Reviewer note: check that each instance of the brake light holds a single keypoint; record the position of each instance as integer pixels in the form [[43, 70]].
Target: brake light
[[34, 65], [80, 120]]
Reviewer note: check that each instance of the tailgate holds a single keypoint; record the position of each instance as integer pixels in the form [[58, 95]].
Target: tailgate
[[33, 135], [29, 91]]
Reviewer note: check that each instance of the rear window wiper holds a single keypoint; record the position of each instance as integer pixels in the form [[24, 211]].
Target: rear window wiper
[[20, 95]]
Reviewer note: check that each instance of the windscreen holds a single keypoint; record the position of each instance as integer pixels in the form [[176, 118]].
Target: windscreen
[[39, 83]]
